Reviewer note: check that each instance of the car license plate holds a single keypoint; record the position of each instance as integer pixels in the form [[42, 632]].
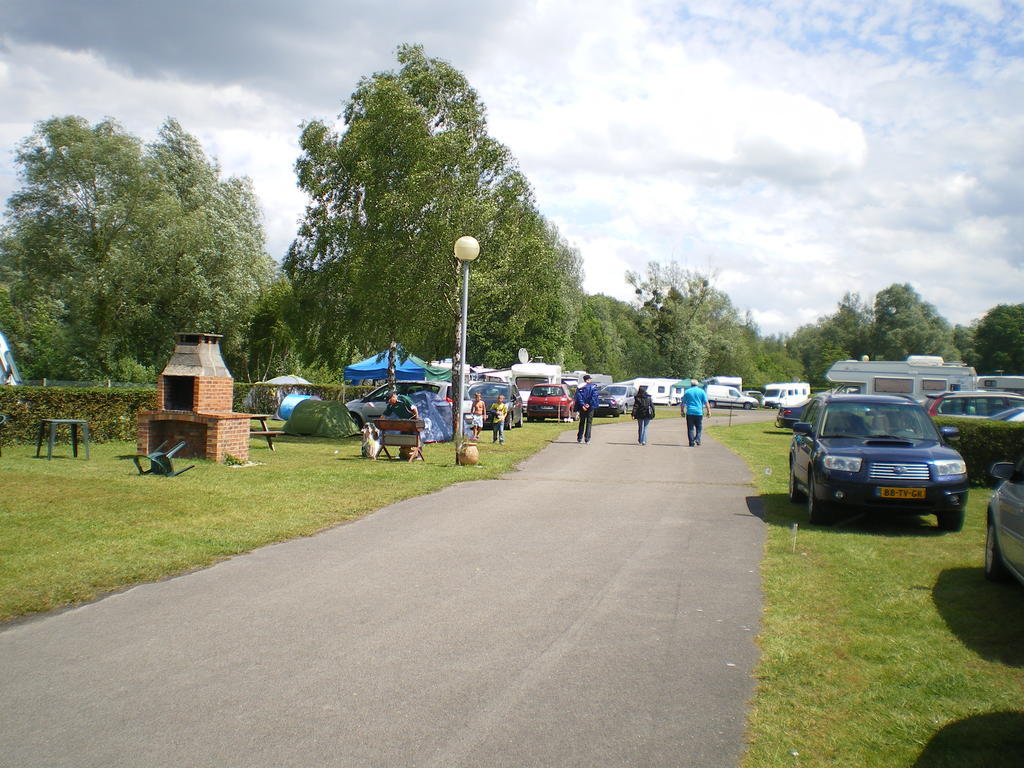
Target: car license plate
[[901, 493]]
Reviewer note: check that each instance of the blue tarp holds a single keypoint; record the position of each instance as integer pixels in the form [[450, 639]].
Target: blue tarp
[[411, 369], [436, 413]]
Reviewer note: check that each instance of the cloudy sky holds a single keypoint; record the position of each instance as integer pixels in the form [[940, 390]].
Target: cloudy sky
[[796, 149]]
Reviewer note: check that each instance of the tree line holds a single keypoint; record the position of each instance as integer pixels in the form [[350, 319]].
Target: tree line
[[110, 246]]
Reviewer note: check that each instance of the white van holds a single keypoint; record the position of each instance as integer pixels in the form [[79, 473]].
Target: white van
[[786, 393], [728, 397]]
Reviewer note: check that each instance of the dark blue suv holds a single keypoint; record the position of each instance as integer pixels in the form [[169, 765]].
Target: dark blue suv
[[879, 452]]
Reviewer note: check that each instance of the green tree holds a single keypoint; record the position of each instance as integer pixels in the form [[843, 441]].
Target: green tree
[[414, 170], [905, 324], [122, 245], [999, 340]]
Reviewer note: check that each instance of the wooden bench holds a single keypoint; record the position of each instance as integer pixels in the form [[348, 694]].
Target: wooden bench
[[404, 433]]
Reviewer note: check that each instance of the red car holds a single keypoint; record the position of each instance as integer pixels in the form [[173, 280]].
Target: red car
[[550, 401]]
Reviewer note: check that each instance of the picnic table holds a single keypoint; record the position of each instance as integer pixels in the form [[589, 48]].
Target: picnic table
[[269, 434], [404, 433]]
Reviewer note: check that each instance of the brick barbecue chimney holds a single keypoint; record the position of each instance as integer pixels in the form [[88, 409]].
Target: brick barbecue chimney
[[194, 398]]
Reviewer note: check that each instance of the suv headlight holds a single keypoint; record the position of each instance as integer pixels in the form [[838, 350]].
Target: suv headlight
[[950, 467], [842, 463]]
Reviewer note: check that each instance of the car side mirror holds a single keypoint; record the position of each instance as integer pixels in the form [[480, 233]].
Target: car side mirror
[[803, 428], [949, 433], [1002, 470]]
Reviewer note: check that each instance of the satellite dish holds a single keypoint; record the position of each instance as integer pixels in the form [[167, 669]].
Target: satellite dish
[[524, 356]]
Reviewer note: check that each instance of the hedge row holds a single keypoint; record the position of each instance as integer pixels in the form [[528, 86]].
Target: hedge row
[[111, 412], [983, 442]]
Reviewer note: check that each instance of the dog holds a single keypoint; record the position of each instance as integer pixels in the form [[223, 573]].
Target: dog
[[371, 441]]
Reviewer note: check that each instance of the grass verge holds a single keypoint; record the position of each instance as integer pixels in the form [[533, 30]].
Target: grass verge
[[71, 529], [882, 643]]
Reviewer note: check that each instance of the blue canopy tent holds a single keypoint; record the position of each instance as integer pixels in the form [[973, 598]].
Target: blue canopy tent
[[412, 368]]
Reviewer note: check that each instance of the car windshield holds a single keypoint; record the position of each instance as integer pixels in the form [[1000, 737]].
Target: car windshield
[[547, 391], [908, 422], [617, 391]]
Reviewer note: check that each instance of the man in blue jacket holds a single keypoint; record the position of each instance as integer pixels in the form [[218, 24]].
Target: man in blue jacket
[[586, 406]]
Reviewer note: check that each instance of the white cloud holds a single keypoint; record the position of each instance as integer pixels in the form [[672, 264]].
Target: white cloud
[[799, 150]]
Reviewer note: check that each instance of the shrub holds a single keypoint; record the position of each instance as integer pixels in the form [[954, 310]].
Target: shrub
[[111, 413], [983, 442]]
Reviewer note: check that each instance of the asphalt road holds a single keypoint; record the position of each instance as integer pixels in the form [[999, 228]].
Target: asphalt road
[[596, 608]]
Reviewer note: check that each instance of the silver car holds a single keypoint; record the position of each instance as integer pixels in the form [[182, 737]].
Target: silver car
[[1004, 538], [372, 405]]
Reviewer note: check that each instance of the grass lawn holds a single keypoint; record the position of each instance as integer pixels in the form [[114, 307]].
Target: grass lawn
[[882, 642], [71, 529]]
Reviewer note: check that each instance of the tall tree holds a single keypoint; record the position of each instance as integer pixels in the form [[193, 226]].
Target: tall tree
[[414, 170], [999, 340], [905, 324], [127, 244]]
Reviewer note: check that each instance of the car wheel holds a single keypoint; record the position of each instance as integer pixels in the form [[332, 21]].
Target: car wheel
[[951, 521], [747, 406], [818, 512], [995, 568], [712, 404], [795, 494]]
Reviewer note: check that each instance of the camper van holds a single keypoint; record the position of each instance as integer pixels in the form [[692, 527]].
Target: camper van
[[526, 375], [786, 393], [1002, 383], [660, 390], [918, 376]]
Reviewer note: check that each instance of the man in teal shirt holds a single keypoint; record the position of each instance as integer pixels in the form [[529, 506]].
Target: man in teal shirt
[[400, 407], [694, 406]]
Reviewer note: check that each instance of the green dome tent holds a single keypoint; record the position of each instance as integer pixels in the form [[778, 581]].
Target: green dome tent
[[320, 418]]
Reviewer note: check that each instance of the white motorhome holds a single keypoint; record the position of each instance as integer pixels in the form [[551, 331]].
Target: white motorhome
[[724, 381], [918, 376], [1002, 383], [786, 393], [526, 375], [660, 390]]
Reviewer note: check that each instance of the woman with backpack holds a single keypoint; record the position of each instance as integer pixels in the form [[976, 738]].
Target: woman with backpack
[[643, 412]]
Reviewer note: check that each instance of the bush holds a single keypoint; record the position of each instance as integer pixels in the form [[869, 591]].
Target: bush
[[983, 442], [111, 413]]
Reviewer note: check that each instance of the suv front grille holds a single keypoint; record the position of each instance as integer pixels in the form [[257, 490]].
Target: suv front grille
[[899, 471]]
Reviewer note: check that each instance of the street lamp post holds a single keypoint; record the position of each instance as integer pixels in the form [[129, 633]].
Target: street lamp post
[[466, 250]]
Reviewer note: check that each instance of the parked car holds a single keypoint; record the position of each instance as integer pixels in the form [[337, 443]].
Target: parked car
[[789, 415], [1010, 414], [756, 394], [879, 452], [1004, 537], [489, 391], [372, 405], [720, 396], [978, 404], [615, 399], [550, 401]]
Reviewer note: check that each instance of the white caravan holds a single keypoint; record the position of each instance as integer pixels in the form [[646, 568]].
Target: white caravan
[[918, 376], [786, 393], [526, 375], [660, 390]]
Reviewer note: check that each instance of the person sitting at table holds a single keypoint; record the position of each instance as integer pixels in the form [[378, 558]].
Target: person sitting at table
[[400, 407]]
